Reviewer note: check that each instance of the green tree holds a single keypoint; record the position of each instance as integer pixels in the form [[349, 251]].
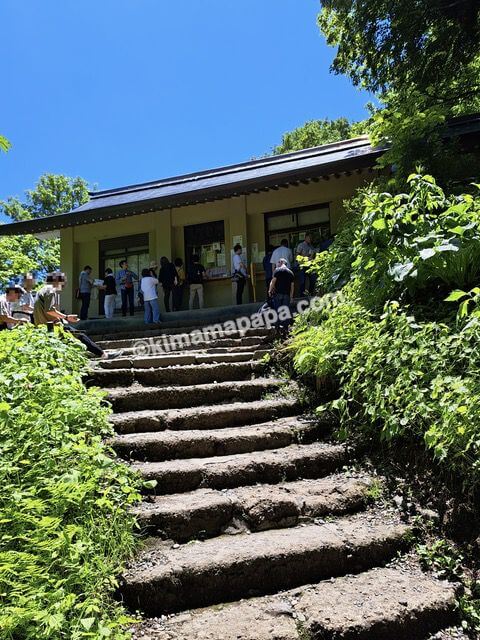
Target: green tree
[[422, 59], [4, 144], [430, 44], [53, 195], [317, 132]]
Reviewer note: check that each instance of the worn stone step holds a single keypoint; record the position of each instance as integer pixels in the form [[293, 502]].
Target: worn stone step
[[165, 579], [181, 344], [380, 604], [138, 398], [183, 359], [208, 330], [199, 350], [176, 375], [209, 512], [223, 472], [218, 417], [170, 445]]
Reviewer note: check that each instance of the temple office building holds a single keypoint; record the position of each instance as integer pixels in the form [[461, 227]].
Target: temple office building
[[254, 204]]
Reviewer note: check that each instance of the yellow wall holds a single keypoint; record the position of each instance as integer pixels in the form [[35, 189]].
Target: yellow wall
[[242, 215]]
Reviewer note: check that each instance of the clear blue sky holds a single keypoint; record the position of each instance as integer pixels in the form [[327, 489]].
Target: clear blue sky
[[125, 91]]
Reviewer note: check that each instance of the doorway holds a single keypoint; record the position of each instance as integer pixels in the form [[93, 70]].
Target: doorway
[[134, 249]]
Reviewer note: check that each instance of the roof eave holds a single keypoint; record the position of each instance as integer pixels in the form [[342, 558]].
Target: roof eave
[[241, 187]]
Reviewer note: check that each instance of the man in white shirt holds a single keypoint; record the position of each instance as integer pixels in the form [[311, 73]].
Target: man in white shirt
[[282, 252]]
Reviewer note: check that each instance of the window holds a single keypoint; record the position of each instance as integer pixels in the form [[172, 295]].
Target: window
[[134, 249], [207, 240], [295, 223]]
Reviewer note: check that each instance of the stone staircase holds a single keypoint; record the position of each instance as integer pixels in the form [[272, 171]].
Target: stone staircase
[[255, 530]]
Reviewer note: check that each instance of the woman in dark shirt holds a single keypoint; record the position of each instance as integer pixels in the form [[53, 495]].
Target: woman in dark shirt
[[168, 279]]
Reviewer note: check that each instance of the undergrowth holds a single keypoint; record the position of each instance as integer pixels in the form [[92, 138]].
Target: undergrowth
[[401, 342], [65, 528]]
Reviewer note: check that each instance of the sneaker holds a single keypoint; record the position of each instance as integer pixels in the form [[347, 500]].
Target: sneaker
[[111, 355]]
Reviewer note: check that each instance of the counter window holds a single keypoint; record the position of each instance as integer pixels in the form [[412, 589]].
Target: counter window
[[207, 240]]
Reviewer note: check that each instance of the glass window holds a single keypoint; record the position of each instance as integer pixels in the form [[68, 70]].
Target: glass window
[[281, 222], [295, 224], [207, 240]]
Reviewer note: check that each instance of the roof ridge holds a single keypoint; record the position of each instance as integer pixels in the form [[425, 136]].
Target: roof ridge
[[235, 168]]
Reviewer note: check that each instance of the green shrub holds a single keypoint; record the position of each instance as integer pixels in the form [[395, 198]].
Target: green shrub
[[404, 380], [65, 528], [408, 369], [322, 340]]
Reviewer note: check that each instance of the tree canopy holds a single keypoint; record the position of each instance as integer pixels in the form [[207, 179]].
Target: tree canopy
[[4, 144], [317, 132], [422, 59], [430, 44], [52, 195]]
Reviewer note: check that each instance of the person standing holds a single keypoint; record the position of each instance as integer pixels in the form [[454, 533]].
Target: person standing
[[306, 250], [239, 271], [267, 266], [148, 285], [85, 284], [110, 288], [196, 273], [125, 279], [282, 252], [282, 286], [179, 287], [168, 280]]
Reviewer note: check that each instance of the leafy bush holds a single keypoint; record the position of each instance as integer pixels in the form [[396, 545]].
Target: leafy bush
[[411, 381], [321, 348], [420, 243], [407, 368], [65, 528]]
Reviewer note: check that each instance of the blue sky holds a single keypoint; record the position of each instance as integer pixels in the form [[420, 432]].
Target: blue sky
[[125, 91]]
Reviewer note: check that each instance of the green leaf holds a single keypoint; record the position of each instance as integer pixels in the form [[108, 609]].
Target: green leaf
[[87, 623], [456, 295], [150, 484], [379, 224]]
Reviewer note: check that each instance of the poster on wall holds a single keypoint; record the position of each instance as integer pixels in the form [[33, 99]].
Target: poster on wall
[[237, 240]]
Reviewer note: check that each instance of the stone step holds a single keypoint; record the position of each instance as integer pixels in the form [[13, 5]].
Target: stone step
[[138, 398], [218, 417], [181, 344], [209, 512], [172, 445], [183, 359], [205, 349], [224, 472], [165, 579], [210, 329], [380, 604], [176, 375]]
